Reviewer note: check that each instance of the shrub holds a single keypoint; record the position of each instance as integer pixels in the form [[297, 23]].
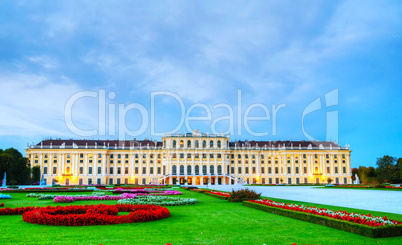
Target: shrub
[[243, 195], [32, 195], [5, 196]]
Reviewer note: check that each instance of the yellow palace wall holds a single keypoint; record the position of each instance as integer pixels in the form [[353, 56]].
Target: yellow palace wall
[[82, 165]]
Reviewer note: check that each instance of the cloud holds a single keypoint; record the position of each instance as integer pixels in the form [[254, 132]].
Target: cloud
[[33, 105]]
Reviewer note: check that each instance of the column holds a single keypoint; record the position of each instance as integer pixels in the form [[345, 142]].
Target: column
[[49, 169], [72, 163], [104, 159], [40, 163], [85, 164], [62, 163]]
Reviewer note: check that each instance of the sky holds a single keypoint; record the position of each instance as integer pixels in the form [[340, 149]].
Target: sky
[[256, 70]]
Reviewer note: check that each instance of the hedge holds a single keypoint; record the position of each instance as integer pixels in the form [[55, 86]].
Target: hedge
[[363, 230], [212, 195]]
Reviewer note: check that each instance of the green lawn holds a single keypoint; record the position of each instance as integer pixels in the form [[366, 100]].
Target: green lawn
[[211, 221]]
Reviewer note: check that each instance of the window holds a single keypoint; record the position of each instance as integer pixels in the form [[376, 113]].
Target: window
[[196, 144], [269, 170], [297, 181], [345, 180], [181, 144], [211, 144], [54, 161], [144, 170], [239, 170], [44, 170], [81, 170], [98, 181], [81, 161], [305, 170], [204, 169], [90, 170], [82, 155], [276, 170], [80, 182], [328, 170], [54, 170], [204, 144], [297, 170], [110, 181], [90, 181], [99, 170], [151, 170], [219, 156], [336, 170], [174, 169], [188, 155], [45, 161], [197, 169], [174, 143], [118, 170], [253, 169], [289, 181], [211, 169], [181, 169], [211, 155], [136, 170], [159, 170], [262, 170], [246, 156], [188, 169], [219, 144], [289, 170], [111, 170], [36, 161], [181, 155], [246, 170], [188, 143], [344, 170], [119, 156], [337, 180], [126, 170], [270, 180], [219, 169], [232, 170]]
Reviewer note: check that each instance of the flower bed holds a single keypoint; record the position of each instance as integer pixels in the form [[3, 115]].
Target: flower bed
[[94, 214], [365, 225], [393, 187], [218, 194], [159, 200], [5, 196], [68, 199]]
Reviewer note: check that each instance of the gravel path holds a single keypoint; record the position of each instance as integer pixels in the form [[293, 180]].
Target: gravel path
[[376, 200]]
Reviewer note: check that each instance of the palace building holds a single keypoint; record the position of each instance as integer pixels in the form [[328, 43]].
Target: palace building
[[191, 158]]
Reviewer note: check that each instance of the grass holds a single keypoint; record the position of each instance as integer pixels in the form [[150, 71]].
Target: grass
[[210, 221]]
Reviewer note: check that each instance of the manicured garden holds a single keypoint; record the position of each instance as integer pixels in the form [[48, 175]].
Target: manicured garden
[[208, 221]]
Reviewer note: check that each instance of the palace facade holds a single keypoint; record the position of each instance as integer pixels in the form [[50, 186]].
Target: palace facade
[[191, 158]]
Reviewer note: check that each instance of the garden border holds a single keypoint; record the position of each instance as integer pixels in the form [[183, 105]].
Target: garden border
[[363, 230], [217, 196]]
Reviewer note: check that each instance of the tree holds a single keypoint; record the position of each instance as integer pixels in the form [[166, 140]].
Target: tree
[[371, 175], [386, 169], [36, 174], [16, 166], [329, 180]]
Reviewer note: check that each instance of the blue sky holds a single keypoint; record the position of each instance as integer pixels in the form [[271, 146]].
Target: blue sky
[[274, 52]]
